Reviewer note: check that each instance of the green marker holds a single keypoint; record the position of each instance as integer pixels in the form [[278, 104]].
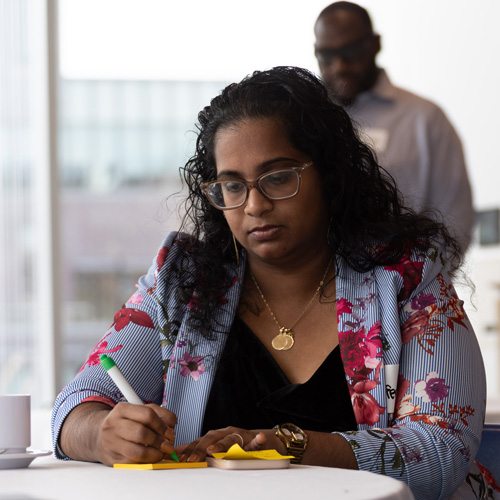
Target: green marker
[[121, 382]]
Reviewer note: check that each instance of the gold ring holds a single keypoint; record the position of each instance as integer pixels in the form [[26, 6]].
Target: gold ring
[[240, 436]]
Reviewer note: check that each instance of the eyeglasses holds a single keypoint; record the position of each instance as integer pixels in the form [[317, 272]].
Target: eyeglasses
[[279, 184], [349, 53]]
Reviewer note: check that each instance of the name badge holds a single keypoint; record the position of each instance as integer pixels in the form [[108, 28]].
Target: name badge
[[377, 138]]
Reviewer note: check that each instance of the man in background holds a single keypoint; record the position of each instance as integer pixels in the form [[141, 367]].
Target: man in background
[[413, 138]]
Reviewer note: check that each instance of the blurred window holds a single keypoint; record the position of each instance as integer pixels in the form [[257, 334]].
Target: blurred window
[[27, 332], [121, 144]]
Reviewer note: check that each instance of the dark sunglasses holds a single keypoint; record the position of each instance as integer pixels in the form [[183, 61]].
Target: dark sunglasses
[[349, 53]]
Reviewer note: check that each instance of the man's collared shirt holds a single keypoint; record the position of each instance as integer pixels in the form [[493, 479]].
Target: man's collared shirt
[[417, 144]]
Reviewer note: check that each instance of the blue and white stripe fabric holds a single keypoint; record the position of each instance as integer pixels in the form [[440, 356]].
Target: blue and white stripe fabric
[[405, 315]]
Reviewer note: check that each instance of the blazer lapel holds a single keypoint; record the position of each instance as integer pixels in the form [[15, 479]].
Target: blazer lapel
[[361, 344], [192, 362]]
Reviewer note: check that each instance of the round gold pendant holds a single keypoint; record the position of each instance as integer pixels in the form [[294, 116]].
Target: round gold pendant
[[284, 340], [279, 342]]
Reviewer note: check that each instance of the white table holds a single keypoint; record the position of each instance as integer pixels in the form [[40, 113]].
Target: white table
[[50, 479]]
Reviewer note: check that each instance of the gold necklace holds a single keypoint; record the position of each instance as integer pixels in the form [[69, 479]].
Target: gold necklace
[[284, 340]]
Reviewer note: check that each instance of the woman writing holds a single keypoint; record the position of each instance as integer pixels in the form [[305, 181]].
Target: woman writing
[[298, 291]]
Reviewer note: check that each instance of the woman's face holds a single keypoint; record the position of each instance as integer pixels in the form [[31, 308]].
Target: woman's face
[[272, 231]]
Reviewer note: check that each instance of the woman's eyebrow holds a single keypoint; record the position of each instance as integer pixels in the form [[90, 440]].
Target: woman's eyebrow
[[229, 173], [260, 168]]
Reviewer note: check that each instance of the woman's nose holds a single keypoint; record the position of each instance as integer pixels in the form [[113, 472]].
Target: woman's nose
[[257, 203]]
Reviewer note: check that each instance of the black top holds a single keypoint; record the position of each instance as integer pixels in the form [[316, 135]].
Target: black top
[[251, 391]]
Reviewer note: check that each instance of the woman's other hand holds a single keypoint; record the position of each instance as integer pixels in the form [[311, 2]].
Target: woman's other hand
[[220, 440]]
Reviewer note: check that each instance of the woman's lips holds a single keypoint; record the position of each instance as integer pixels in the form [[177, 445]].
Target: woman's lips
[[265, 232]]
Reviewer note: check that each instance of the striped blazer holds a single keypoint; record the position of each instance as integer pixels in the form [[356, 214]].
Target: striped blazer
[[411, 359]]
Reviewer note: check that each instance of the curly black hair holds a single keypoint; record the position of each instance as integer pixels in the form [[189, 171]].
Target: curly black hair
[[369, 225]]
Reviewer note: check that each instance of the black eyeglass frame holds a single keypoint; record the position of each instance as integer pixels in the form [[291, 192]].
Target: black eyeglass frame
[[256, 184]]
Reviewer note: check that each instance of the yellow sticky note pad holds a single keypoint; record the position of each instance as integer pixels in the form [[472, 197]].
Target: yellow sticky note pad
[[236, 452], [165, 464]]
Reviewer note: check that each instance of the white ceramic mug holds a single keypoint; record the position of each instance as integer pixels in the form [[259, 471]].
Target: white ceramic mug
[[15, 423]]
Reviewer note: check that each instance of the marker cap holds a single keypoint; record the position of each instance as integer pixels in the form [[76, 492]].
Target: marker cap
[[106, 362]]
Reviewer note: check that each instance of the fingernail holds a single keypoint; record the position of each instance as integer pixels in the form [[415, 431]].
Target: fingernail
[[194, 458], [166, 446], [182, 458], [169, 434]]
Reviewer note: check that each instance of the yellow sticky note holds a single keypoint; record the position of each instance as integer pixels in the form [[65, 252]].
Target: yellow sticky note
[[236, 452], [165, 464]]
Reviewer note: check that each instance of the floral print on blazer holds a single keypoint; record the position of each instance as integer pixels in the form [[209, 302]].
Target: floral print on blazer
[[407, 315]]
